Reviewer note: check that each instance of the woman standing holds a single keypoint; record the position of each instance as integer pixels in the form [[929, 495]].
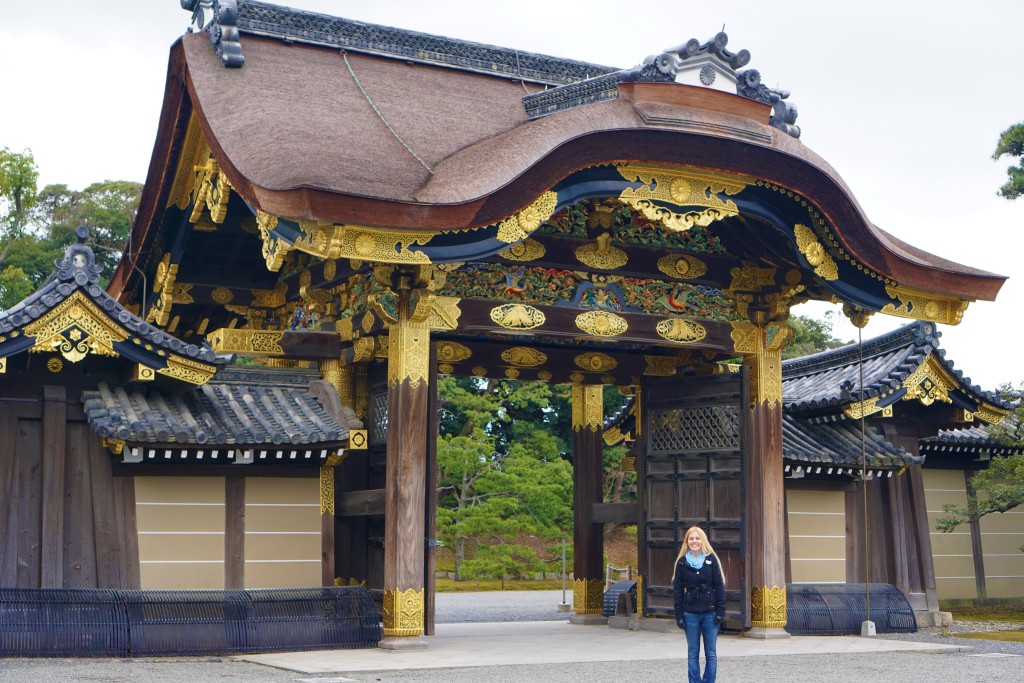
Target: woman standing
[[699, 586]]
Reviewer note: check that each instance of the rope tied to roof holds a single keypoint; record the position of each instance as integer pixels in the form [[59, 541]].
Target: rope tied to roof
[[344, 55]]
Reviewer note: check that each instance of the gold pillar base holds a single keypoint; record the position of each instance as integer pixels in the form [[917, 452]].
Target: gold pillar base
[[768, 607], [588, 596], [403, 612]]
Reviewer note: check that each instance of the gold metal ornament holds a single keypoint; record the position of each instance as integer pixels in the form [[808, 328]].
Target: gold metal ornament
[[596, 362], [601, 254], [768, 607], [588, 596], [403, 612], [54, 365], [75, 328], [517, 228], [445, 313], [326, 490], [601, 323], [683, 188], [222, 295], [479, 371], [452, 352], [408, 352], [524, 356], [445, 368], [682, 266], [527, 250], [587, 407], [517, 316], [330, 269], [544, 376], [660, 366], [919, 305], [511, 373], [186, 370], [680, 331], [816, 255], [246, 342]]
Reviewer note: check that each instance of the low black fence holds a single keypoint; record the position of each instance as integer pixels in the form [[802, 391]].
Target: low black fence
[[115, 623], [834, 609]]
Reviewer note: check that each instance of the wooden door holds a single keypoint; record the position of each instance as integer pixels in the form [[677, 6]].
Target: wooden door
[[692, 474]]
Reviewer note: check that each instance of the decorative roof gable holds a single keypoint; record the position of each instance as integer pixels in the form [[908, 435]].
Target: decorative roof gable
[[902, 365], [72, 317]]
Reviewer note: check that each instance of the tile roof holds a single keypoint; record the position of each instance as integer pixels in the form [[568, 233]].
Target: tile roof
[[221, 412], [831, 379], [75, 284]]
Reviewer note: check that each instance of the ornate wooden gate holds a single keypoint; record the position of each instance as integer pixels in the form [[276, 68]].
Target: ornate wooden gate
[[692, 474]]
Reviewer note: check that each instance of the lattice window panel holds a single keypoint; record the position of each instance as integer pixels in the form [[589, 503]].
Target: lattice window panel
[[380, 417], [691, 429]]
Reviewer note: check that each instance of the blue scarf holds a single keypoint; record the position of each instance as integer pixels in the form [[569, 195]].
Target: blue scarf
[[695, 562]]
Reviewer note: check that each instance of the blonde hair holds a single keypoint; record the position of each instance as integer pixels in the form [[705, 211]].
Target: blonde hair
[[705, 547]]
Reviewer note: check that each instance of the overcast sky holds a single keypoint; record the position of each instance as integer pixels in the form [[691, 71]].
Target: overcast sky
[[905, 99]]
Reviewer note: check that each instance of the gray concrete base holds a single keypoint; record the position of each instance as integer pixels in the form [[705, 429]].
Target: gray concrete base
[[659, 625], [564, 607], [627, 621], [932, 619], [588, 620], [402, 643], [762, 633]]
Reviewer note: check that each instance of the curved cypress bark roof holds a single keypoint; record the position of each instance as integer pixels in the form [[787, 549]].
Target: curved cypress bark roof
[[420, 133]]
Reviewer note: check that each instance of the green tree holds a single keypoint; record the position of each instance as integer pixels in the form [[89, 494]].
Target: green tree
[[107, 208], [1011, 143], [14, 286], [501, 477], [18, 178], [1000, 486], [812, 335]]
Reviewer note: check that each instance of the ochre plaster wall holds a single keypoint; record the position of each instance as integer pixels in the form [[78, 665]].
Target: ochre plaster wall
[[817, 536]]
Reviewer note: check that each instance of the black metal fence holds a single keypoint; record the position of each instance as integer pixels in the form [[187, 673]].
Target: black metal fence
[[834, 609], [112, 623]]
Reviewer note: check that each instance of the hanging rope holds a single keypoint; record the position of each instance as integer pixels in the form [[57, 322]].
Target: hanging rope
[[376, 111], [863, 473]]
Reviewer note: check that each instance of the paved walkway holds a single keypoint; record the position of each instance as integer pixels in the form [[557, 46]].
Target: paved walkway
[[551, 642]]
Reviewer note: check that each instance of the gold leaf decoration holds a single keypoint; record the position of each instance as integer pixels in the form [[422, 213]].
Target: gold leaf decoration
[[511, 373], [452, 352], [660, 366], [544, 376], [601, 254], [524, 356], [517, 316], [682, 266], [601, 323], [681, 331], [684, 188], [222, 295], [517, 228], [596, 362], [815, 253], [918, 305], [527, 250]]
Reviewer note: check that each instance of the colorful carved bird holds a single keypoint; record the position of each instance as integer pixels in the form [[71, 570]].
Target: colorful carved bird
[[513, 284]]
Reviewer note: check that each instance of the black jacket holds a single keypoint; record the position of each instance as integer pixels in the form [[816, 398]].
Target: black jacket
[[699, 590]]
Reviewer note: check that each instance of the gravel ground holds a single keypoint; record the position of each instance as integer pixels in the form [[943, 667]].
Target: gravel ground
[[990, 661]]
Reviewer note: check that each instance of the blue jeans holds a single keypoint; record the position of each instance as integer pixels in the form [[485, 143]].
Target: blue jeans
[[698, 624]]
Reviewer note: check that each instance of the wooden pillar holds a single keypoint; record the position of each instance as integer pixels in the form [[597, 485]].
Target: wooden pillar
[[234, 532], [430, 511], [766, 513], [342, 378], [588, 472], [405, 311], [51, 556]]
